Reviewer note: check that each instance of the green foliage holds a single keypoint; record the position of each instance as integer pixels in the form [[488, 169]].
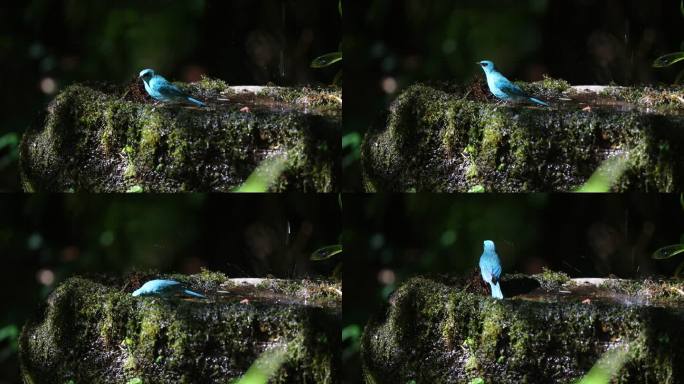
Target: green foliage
[[674, 57], [668, 59], [264, 367], [8, 334], [668, 251], [264, 175], [351, 144], [606, 367], [476, 189], [477, 380], [135, 189], [330, 58], [606, 175], [9, 143], [326, 60], [351, 332], [135, 380], [326, 252]]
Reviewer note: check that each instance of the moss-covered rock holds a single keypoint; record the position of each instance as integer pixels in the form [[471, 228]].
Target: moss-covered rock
[[96, 332], [443, 137], [439, 330], [100, 137]]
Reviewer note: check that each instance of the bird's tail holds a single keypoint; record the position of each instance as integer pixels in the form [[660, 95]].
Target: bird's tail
[[194, 294], [496, 291], [535, 100], [196, 102]]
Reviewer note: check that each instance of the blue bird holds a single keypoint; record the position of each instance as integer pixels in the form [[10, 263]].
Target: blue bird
[[160, 89], [165, 288], [490, 268], [502, 88]]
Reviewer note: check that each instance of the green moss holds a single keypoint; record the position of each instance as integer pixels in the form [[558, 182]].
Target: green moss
[[554, 85], [117, 336], [492, 135], [215, 85], [100, 138], [552, 280], [421, 144], [460, 335], [149, 139]]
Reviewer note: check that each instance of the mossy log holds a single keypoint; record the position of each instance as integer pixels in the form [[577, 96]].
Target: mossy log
[[545, 330], [450, 138], [96, 332], [109, 138]]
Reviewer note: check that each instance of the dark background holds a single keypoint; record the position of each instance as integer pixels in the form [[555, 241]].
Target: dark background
[[45, 239], [389, 238], [390, 44], [45, 45]]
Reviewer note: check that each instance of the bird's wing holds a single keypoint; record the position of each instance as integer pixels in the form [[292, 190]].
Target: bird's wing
[[167, 285], [510, 88], [170, 90], [496, 269], [164, 87]]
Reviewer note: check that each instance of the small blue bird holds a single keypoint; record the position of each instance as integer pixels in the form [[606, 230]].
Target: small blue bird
[[502, 88], [165, 288], [160, 89], [490, 268]]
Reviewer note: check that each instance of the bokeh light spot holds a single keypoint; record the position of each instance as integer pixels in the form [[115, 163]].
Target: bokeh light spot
[[386, 276], [448, 237], [34, 241], [45, 276], [389, 84], [48, 86], [377, 241], [107, 238]]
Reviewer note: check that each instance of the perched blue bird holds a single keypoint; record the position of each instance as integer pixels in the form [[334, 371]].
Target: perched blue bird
[[160, 89], [502, 88], [490, 268], [165, 288]]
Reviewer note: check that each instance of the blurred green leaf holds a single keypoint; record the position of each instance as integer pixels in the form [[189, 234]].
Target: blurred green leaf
[[135, 380], [351, 332], [668, 251], [606, 367], [605, 175], [10, 332], [264, 367], [477, 380], [326, 60], [9, 142], [264, 175], [135, 189], [327, 252], [352, 139], [669, 59], [476, 189], [339, 7]]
